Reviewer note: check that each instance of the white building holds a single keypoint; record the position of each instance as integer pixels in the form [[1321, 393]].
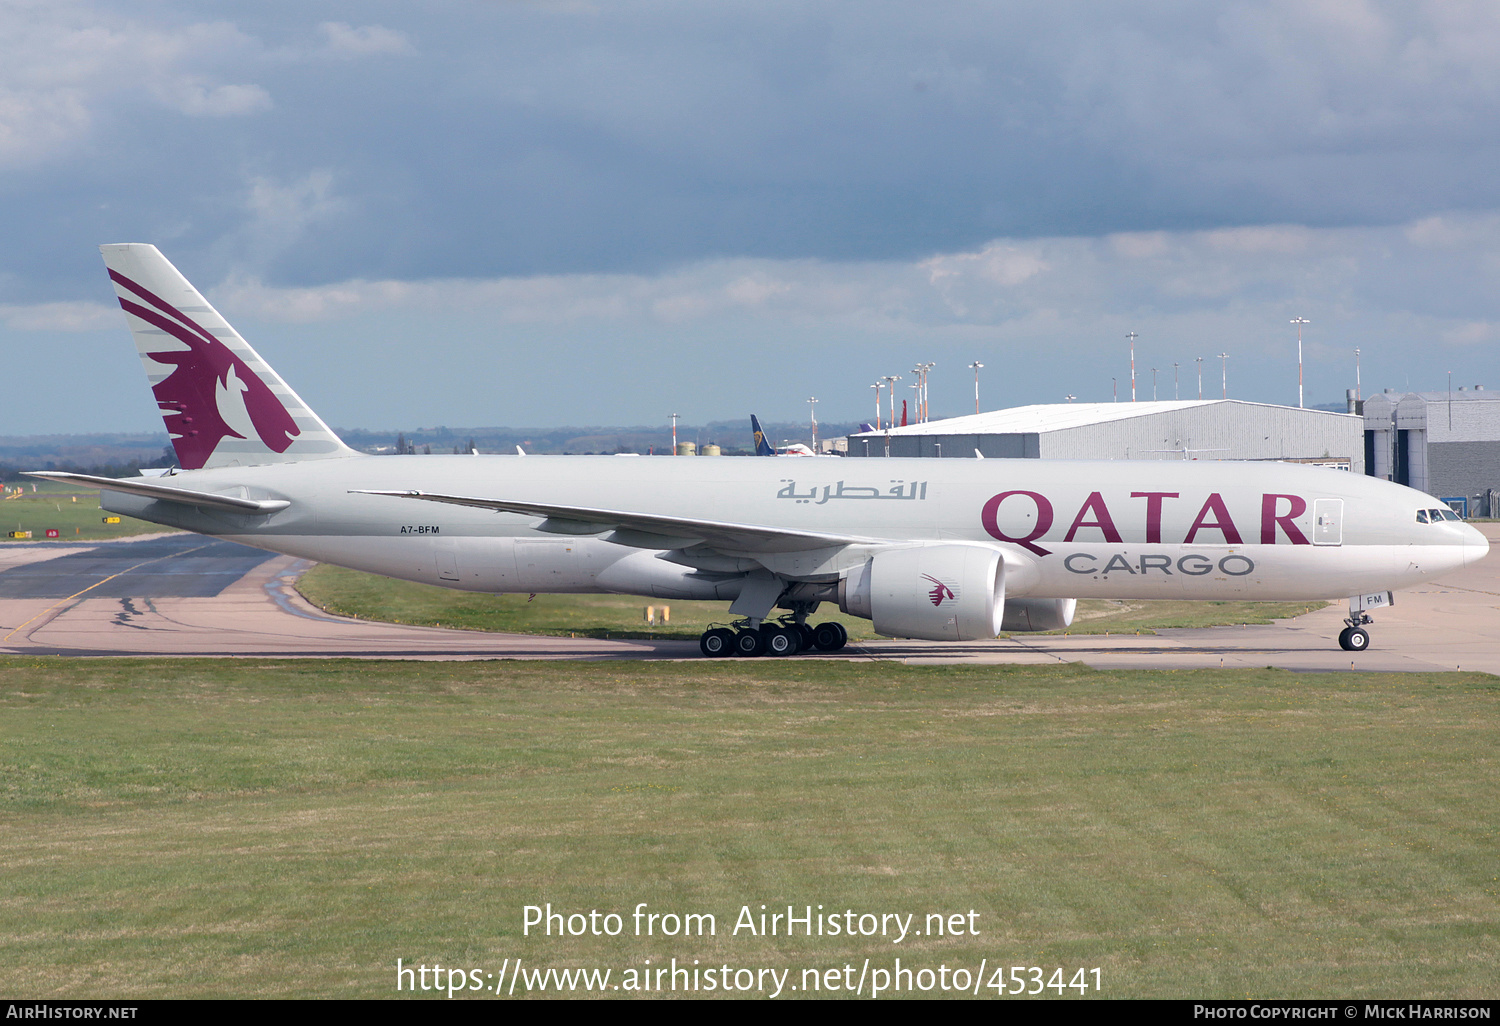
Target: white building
[[1205, 429]]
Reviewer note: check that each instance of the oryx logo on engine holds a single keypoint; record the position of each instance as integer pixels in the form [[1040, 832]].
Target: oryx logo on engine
[[939, 592]]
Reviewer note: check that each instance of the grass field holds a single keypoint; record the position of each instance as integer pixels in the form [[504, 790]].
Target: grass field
[[73, 512], [181, 828], [371, 597]]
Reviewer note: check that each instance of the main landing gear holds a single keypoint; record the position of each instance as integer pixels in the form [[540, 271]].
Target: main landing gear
[[783, 638]]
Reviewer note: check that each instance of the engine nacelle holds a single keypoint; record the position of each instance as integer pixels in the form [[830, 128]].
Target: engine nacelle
[[1038, 614], [953, 592]]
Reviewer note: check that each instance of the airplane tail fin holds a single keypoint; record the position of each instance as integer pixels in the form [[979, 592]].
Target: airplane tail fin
[[223, 405], [762, 447]]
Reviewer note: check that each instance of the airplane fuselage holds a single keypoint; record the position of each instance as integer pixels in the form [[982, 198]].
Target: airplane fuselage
[[1108, 529]]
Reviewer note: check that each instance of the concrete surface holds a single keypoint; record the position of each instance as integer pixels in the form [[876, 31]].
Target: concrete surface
[[187, 595]]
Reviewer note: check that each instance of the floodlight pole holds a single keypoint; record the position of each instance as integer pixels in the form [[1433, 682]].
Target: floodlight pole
[[1153, 384], [1358, 395], [920, 370], [876, 387], [975, 367], [1200, 377], [812, 408], [890, 380], [1174, 382], [1299, 321], [1224, 370], [1132, 336]]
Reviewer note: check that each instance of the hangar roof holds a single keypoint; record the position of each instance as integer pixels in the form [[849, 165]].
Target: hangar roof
[[1046, 417]]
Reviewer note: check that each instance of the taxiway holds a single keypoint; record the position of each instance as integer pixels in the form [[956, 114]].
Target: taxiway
[[186, 595]]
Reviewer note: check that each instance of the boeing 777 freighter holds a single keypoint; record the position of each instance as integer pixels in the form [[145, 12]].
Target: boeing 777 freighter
[[938, 549]]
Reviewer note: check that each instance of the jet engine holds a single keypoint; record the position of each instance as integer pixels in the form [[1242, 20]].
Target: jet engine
[[950, 592], [1038, 614]]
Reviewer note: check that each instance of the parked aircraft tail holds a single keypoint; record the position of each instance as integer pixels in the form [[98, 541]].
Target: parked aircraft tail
[[762, 447], [222, 404]]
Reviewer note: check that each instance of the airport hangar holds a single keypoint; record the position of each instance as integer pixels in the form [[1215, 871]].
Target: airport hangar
[[1444, 443], [1206, 429]]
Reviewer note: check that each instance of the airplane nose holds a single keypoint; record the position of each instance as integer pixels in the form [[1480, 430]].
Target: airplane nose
[[1476, 545]]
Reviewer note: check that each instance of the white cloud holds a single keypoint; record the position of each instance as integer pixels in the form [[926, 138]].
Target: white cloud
[[1260, 239], [280, 213], [194, 97], [63, 64], [1453, 231], [1470, 333], [74, 316], [1048, 317], [1058, 307], [344, 40], [35, 124], [1007, 282], [1140, 245]]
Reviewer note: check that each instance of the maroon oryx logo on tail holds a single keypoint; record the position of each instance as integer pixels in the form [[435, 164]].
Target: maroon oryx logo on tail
[[940, 590], [189, 396]]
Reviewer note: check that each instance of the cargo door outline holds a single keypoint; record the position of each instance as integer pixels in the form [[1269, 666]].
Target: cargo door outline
[[1328, 522], [445, 555], [546, 564]]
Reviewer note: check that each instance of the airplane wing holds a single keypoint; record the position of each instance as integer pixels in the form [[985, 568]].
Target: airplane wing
[[165, 493], [667, 531]]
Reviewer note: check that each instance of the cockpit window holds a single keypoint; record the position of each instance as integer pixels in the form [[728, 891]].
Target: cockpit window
[[1449, 514], [1421, 516]]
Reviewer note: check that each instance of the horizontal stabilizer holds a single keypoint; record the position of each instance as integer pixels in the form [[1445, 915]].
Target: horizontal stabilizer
[[720, 534], [165, 493]]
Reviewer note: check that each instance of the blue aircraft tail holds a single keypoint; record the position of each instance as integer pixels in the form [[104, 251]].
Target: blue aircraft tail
[[762, 447]]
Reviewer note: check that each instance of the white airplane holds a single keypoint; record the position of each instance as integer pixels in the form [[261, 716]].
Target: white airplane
[[764, 448], [944, 550]]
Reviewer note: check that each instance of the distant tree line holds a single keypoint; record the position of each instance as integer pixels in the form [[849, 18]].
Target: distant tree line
[[11, 470], [733, 437], [125, 455]]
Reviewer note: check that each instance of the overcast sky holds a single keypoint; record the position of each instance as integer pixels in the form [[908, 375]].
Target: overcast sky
[[513, 213]]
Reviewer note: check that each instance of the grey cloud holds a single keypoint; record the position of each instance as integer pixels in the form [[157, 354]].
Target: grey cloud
[[852, 186], [1047, 316], [530, 138]]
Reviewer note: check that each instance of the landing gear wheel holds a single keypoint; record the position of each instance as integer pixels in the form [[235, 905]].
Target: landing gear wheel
[[805, 634], [1354, 639], [780, 641], [717, 643], [830, 637], [749, 643]]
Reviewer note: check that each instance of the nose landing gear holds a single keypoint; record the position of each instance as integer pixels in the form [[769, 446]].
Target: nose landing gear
[[1354, 637]]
